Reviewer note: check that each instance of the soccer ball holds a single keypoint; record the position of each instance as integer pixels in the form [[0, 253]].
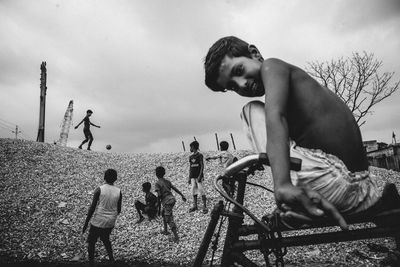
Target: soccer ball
[[108, 147]]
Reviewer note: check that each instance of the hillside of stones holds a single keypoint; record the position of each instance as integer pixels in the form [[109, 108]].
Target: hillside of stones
[[45, 192]]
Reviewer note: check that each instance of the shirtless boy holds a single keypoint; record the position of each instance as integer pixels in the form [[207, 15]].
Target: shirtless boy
[[86, 129], [302, 118]]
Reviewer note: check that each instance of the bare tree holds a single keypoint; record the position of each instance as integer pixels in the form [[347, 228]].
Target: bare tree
[[356, 80]]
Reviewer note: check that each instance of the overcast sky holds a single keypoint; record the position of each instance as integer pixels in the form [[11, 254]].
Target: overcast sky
[[139, 64]]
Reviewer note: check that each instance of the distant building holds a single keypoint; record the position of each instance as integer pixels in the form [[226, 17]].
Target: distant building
[[373, 145], [382, 155], [370, 145]]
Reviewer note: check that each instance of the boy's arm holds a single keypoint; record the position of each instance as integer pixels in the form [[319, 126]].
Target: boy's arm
[[76, 127], [159, 202], [214, 157], [179, 192], [92, 208], [276, 78], [189, 178], [94, 124], [120, 203], [157, 189], [201, 168]]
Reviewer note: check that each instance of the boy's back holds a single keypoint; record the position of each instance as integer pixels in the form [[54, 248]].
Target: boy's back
[[163, 186], [107, 209], [318, 119]]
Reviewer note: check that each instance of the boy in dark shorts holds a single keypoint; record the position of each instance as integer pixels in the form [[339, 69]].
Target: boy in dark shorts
[[166, 198], [86, 129], [303, 119], [150, 208], [105, 208], [196, 176]]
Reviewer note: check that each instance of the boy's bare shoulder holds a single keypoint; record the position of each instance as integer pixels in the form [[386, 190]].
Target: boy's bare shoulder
[[274, 63], [279, 64]]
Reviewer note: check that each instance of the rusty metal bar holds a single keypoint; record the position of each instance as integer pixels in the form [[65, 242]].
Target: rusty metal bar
[[313, 239]]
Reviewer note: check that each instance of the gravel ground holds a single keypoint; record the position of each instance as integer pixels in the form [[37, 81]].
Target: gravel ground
[[45, 191]]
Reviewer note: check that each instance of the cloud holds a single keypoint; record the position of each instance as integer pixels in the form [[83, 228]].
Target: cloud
[[138, 64]]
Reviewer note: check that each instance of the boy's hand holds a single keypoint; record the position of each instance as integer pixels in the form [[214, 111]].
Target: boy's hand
[[184, 198], [292, 198], [76, 127]]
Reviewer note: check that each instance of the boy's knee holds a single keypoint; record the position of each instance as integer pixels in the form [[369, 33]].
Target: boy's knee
[[168, 218], [105, 240], [171, 223], [255, 105]]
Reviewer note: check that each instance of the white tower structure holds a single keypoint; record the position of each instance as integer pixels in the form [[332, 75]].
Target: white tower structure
[[66, 124]]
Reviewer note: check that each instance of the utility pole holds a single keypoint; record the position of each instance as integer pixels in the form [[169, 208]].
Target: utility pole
[[43, 89], [16, 132], [183, 145], [67, 121]]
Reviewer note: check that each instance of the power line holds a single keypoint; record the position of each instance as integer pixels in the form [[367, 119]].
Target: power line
[[13, 128], [25, 135], [2, 125], [6, 122]]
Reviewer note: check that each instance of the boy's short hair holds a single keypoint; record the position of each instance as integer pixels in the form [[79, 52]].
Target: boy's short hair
[[110, 176], [224, 145], [146, 186], [194, 144], [231, 46], [160, 171], [89, 111]]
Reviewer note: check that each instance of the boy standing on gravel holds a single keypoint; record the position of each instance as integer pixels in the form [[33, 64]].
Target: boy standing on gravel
[[166, 198], [105, 207], [196, 176]]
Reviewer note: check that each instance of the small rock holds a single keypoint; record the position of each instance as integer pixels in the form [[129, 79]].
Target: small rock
[[62, 205]]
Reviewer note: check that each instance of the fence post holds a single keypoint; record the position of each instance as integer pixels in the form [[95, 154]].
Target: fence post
[[216, 138], [233, 142]]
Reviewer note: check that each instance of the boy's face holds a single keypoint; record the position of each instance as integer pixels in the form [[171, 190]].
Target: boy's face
[[241, 75]]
